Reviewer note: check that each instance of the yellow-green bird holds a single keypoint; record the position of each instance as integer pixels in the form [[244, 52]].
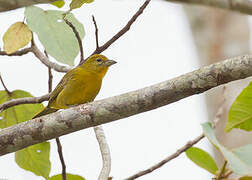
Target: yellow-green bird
[[80, 85]]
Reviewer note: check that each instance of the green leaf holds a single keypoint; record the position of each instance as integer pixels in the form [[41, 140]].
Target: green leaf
[[202, 159], [240, 113], [17, 36], [55, 35], [35, 159], [239, 159], [78, 3], [19, 113], [69, 176], [59, 3], [246, 178]]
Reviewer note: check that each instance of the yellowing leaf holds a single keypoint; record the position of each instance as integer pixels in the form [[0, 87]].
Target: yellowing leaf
[[35, 159], [17, 36], [78, 3], [59, 4]]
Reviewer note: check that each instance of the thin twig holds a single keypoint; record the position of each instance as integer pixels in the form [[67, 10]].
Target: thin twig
[[61, 159], [216, 119], [123, 30], [50, 79], [50, 76], [17, 53], [60, 152], [161, 163], [78, 38], [47, 62], [219, 176], [228, 173], [96, 32], [27, 100], [105, 152], [5, 88]]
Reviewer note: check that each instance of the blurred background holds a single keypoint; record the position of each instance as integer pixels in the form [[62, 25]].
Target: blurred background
[[166, 41]]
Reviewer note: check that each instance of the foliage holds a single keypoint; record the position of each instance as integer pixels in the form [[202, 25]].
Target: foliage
[[239, 159], [202, 159], [35, 159], [19, 113], [240, 114], [55, 35], [60, 42], [17, 36]]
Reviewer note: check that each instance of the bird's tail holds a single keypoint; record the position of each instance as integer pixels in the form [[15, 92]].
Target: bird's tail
[[45, 111]]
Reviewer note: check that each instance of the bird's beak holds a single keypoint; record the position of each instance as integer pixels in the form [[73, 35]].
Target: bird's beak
[[109, 62]]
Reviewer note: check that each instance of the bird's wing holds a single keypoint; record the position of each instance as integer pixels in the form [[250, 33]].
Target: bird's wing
[[68, 76]]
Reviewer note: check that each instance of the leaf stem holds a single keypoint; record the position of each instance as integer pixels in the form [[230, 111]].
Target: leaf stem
[[5, 88]]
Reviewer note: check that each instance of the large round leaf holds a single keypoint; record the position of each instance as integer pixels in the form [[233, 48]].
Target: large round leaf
[[55, 35]]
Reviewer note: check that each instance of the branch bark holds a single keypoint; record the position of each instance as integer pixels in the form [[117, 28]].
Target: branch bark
[[14, 4], [114, 108], [242, 6], [27, 100], [105, 152], [45, 60]]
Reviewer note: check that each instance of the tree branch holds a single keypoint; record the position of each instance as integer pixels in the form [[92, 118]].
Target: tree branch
[[242, 6], [47, 62], [189, 144], [105, 152], [76, 33], [114, 108], [17, 53], [14, 4], [27, 100], [5, 88], [61, 159], [123, 30], [173, 156], [96, 32]]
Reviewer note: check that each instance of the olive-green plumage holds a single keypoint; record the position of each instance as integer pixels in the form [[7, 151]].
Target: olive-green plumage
[[80, 85]]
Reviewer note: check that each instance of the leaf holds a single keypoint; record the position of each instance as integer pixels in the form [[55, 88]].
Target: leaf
[[239, 159], [19, 113], [17, 36], [59, 4], [240, 113], [55, 35], [246, 178], [202, 159], [35, 159], [69, 176], [78, 3]]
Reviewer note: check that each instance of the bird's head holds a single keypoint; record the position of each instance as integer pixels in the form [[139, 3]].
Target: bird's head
[[98, 63]]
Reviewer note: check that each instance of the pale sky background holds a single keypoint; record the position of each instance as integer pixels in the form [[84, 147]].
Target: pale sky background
[[158, 47]]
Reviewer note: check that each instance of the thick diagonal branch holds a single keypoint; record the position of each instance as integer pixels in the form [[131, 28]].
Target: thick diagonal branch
[[118, 107], [242, 6]]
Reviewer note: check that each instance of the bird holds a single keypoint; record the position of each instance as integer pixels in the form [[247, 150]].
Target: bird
[[79, 85]]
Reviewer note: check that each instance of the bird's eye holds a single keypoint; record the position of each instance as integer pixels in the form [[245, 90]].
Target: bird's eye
[[98, 60]]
